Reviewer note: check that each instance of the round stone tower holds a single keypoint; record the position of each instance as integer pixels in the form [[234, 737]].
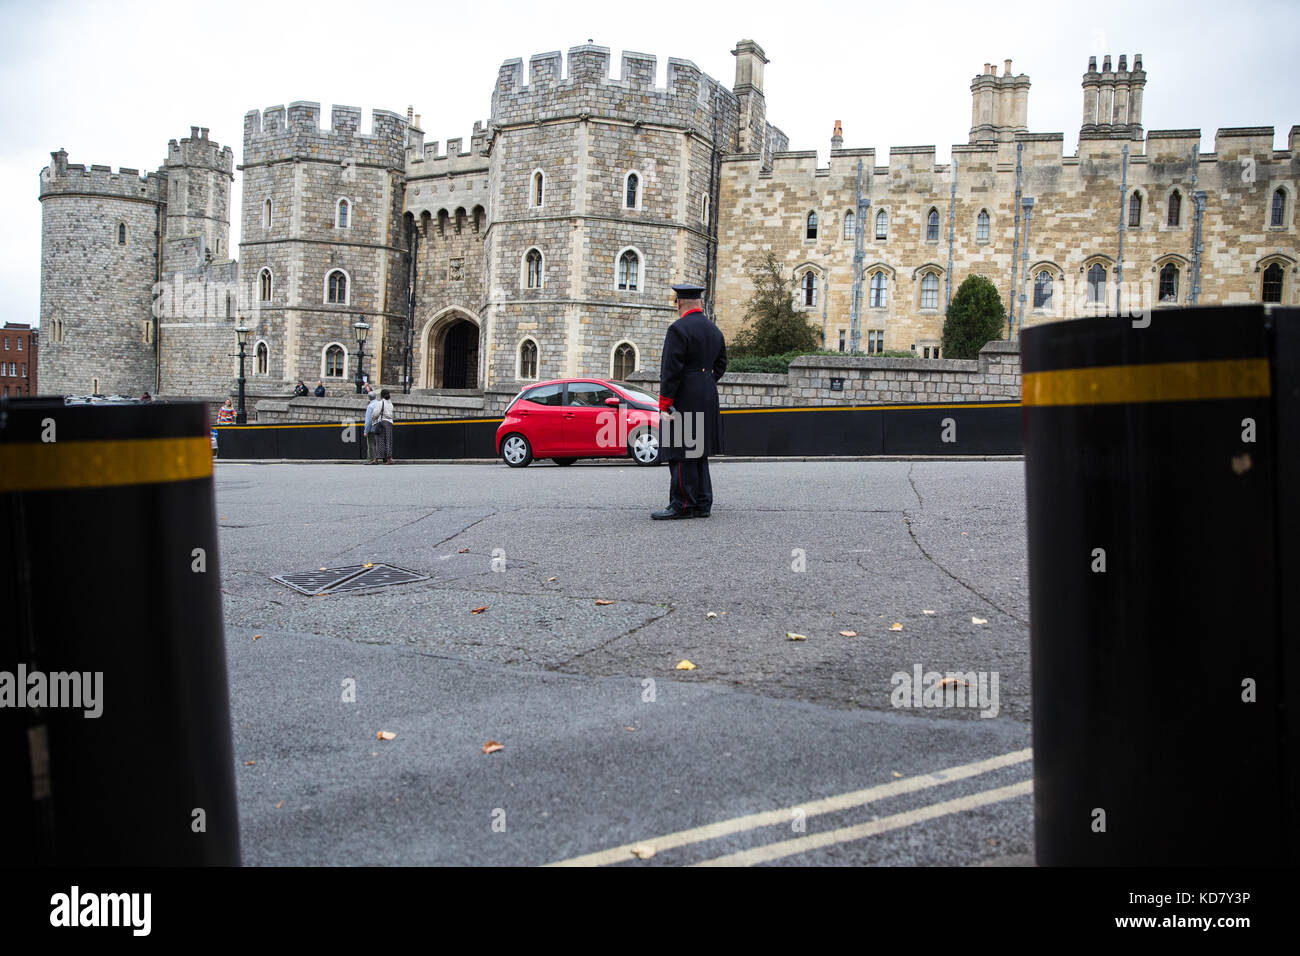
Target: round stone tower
[[100, 257]]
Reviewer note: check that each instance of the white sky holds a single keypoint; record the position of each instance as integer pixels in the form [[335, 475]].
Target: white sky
[[113, 82]]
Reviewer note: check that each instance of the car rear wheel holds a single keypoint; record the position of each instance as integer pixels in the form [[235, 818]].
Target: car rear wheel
[[516, 451], [643, 446], [564, 461]]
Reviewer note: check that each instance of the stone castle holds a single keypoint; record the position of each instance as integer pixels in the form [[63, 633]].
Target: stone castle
[[547, 248]]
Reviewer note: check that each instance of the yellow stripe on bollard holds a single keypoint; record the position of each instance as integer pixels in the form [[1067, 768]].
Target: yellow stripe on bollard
[[42, 466], [1160, 382]]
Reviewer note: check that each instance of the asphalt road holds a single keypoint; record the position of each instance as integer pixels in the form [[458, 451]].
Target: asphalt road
[[606, 744]]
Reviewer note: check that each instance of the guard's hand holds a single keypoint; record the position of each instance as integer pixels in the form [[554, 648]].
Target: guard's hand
[[665, 403]]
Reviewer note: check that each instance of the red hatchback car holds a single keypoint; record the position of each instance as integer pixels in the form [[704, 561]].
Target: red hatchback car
[[576, 418]]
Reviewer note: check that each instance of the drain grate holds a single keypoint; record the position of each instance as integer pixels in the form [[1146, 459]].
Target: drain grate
[[354, 577]]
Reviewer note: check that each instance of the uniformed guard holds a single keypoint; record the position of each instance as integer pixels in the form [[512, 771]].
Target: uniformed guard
[[694, 358]]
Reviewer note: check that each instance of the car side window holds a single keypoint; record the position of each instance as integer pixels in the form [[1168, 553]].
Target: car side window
[[589, 394], [544, 395]]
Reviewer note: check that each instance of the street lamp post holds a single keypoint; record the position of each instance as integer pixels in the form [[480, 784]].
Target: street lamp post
[[241, 414], [361, 329]]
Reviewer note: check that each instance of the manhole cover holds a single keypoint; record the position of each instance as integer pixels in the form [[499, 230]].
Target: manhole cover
[[351, 578]]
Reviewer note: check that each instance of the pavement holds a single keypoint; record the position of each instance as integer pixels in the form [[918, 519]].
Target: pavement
[[770, 751]]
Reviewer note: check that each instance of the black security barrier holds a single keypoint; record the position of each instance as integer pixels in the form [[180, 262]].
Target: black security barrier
[[115, 742], [991, 428], [1161, 474]]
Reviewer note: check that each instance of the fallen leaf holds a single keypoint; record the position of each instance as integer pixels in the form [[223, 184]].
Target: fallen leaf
[[629, 728], [551, 579], [463, 551], [848, 633], [479, 610], [279, 805], [952, 682], [643, 851], [992, 841], [492, 747], [792, 636], [685, 665], [257, 637], [368, 564], [604, 602], [897, 774], [927, 612], [896, 626], [249, 763], [979, 620], [710, 616], [324, 569], [963, 532], [385, 735]]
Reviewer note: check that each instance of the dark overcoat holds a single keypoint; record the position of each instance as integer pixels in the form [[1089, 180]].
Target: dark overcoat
[[694, 358]]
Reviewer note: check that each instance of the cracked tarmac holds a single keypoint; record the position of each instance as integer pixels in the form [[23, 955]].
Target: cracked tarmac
[[809, 547]]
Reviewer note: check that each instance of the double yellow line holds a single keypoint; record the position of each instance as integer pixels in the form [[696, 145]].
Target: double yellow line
[[835, 804]]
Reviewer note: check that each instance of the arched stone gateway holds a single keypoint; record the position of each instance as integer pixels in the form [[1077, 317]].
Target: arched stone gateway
[[451, 351]]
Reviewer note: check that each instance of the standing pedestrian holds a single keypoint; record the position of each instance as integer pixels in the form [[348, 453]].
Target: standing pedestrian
[[694, 358], [384, 414], [372, 430], [320, 388], [301, 389], [226, 413]]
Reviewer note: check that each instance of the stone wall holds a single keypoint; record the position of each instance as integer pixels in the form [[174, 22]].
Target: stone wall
[[994, 376]]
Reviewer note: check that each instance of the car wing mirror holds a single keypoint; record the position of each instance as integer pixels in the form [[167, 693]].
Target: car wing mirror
[[613, 402]]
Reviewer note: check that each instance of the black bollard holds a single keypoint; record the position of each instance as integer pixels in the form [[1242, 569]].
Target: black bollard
[[1161, 624], [110, 586]]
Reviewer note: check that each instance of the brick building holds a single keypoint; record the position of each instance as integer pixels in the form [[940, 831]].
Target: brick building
[[547, 247], [19, 359]]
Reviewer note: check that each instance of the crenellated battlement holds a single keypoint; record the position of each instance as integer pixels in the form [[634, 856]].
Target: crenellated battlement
[[424, 159], [588, 88], [277, 133], [62, 177], [1043, 152], [200, 152]]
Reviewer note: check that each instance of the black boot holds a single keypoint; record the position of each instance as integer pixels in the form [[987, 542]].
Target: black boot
[[671, 513]]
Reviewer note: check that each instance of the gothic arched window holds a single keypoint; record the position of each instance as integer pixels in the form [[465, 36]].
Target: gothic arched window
[[1169, 283], [624, 361], [533, 262], [1175, 208], [809, 286], [1043, 290], [930, 291], [932, 226], [1271, 289], [629, 268], [1097, 284]]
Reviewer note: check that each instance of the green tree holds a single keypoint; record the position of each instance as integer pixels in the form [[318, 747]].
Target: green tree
[[975, 317], [772, 325]]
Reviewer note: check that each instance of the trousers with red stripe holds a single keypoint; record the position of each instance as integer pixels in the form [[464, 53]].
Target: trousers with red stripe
[[691, 488]]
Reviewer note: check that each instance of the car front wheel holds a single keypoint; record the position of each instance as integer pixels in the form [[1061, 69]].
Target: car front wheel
[[643, 446], [516, 451]]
